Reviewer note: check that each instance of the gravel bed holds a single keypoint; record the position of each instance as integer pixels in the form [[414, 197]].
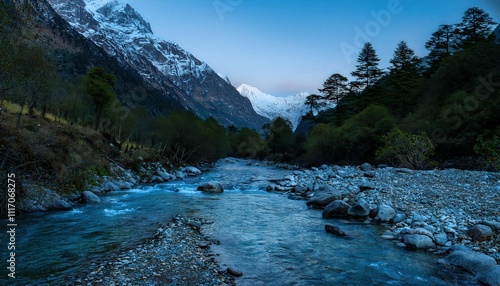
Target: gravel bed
[[177, 254]]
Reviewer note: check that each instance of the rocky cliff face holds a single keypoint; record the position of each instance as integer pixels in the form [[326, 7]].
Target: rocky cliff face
[[123, 33]]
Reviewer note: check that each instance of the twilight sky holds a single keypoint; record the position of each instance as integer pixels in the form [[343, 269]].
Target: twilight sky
[[284, 47]]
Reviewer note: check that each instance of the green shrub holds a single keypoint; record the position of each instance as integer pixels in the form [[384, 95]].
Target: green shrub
[[488, 148], [406, 150], [322, 144]]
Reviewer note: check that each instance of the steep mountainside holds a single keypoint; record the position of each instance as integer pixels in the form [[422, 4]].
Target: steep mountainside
[[123, 33], [73, 54]]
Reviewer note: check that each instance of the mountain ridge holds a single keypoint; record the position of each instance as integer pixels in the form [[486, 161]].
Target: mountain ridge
[[123, 33]]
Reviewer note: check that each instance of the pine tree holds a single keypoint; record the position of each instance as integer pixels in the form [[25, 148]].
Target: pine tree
[[403, 57], [367, 71], [441, 42], [335, 87], [312, 101], [476, 26]]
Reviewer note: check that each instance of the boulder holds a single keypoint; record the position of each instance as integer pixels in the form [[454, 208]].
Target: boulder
[[180, 175], [110, 187], [366, 167], [361, 208], [418, 241], [420, 231], [211, 187], [490, 276], [441, 238], [234, 272], [398, 218], [192, 171], [164, 175], [480, 232], [59, 205], [321, 200], [336, 208], [493, 224], [334, 230], [473, 262], [87, 197], [385, 213]]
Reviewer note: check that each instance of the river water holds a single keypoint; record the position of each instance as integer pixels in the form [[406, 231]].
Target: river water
[[273, 240]]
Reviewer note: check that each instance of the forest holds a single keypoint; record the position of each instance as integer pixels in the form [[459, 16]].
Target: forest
[[418, 113]]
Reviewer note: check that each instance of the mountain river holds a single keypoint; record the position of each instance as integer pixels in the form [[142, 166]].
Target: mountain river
[[271, 239]]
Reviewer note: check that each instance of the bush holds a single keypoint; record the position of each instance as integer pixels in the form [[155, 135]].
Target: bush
[[489, 150], [406, 150], [322, 144]]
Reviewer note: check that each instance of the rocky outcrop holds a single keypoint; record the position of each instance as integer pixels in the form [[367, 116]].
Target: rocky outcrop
[[88, 197], [361, 208], [480, 232], [336, 209]]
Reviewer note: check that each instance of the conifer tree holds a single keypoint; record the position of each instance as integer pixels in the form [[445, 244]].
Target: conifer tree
[[403, 57], [367, 71], [476, 26], [335, 87], [99, 86]]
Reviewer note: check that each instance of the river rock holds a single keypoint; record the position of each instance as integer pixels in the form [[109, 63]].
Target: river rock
[[334, 230], [110, 187], [180, 174], [192, 171], [418, 241], [418, 230], [211, 187], [361, 208], [234, 272], [480, 232], [441, 238], [87, 197], [490, 277], [474, 262], [385, 213], [59, 205], [336, 208], [399, 217], [366, 167], [321, 200], [493, 224], [165, 176]]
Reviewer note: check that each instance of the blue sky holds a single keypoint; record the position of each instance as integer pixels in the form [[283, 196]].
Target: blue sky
[[284, 47]]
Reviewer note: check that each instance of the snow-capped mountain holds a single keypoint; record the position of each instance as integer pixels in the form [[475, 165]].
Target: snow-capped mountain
[[270, 106], [122, 32]]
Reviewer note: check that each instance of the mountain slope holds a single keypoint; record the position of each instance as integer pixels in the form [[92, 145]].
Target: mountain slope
[[290, 107], [123, 33]]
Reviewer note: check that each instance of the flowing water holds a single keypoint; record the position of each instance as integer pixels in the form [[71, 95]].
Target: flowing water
[[273, 240]]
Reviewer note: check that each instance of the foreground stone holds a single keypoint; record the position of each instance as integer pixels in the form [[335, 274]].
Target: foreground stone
[[336, 208], [473, 262], [418, 241], [211, 187], [234, 272], [360, 209], [334, 230], [490, 277], [480, 232]]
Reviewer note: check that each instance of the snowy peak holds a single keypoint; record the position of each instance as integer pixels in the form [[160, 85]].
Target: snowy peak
[[291, 107]]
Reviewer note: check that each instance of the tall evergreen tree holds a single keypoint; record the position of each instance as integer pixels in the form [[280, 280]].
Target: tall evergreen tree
[[367, 71], [335, 87], [476, 26], [313, 101], [403, 57], [280, 137], [99, 85]]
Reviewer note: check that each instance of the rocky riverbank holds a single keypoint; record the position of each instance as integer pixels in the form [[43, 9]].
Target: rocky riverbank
[[433, 210], [177, 254], [37, 198]]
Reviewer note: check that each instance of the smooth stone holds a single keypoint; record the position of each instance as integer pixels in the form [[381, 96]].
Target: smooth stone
[[336, 208], [490, 276], [192, 171], [480, 232], [473, 262], [418, 241], [385, 213], [398, 218], [234, 272], [334, 230], [211, 187], [59, 205], [359, 209], [441, 238]]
